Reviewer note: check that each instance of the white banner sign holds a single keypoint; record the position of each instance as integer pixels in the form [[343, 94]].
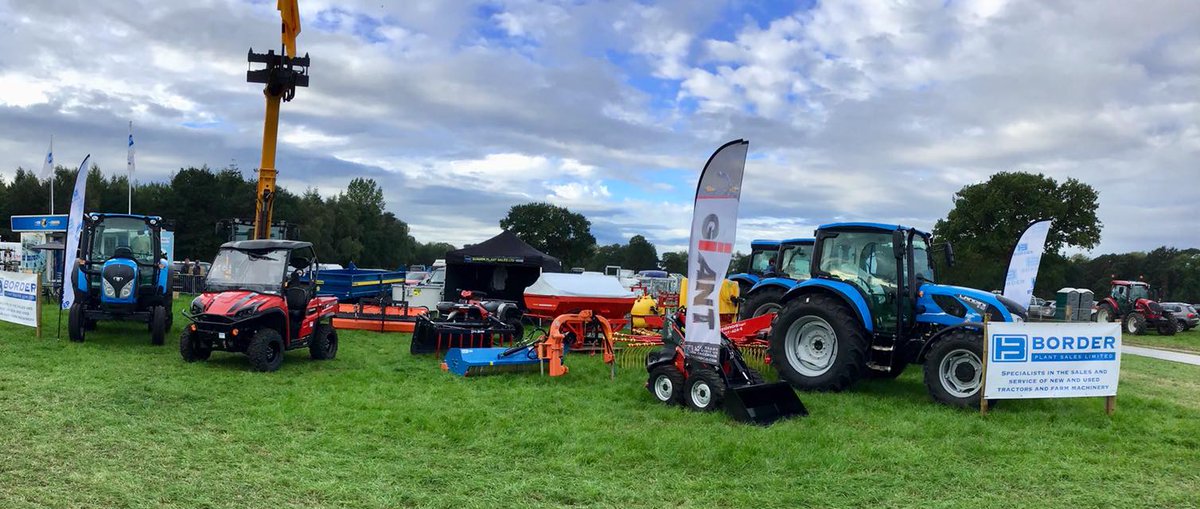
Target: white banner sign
[[1023, 266], [1052, 360], [18, 298], [74, 229], [714, 228]]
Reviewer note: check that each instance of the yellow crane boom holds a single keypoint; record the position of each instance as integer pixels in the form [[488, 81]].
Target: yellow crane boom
[[282, 74]]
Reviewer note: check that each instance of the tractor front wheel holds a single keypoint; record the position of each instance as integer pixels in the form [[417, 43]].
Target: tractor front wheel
[[954, 369], [190, 348], [158, 325], [818, 344], [1134, 323], [265, 350], [765, 300], [704, 391], [324, 343], [666, 385], [76, 323]]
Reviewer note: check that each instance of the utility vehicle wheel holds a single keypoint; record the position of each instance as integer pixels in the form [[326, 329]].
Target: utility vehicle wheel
[[1168, 325], [265, 350], [1134, 323], [190, 347], [666, 384], [704, 390], [818, 344], [764, 301], [954, 369], [324, 343], [76, 322], [1105, 313], [158, 325]]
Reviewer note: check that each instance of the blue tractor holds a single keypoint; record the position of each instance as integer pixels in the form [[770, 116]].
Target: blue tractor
[[760, 263], [121, 274], [873, 306], [791, 266]]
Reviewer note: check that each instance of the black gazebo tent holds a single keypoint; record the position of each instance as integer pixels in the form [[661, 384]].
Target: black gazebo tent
[[502, 267]]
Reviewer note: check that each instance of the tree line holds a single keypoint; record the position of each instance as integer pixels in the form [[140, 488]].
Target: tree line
[[352, 226]]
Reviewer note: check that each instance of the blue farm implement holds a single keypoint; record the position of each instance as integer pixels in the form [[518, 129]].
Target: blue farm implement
[[544, 353], [349, 285]]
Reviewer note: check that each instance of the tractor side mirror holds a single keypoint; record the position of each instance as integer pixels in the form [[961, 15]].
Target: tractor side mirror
[[949, 254], [898, 244]]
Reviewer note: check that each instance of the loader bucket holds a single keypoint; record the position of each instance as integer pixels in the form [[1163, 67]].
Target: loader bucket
[[763, 403]]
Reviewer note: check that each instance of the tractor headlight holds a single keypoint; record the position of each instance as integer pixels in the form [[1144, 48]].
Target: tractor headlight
[[109, 291], [127, 290]]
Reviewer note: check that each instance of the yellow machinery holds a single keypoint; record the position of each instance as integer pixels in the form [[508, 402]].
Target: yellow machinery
[[283, 73], [728, 298]]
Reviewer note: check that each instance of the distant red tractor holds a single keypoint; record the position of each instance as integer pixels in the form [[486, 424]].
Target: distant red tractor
[[261, 299], [1132, 304]]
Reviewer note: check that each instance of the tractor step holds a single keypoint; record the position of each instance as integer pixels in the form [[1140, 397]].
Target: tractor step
[[881, 348], [879, 367]]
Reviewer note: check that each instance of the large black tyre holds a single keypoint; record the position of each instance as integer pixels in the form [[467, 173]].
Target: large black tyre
[[954, 369], [76, 323], [1134, 323], [761, 302], [158, 325], [190, 348], [324, 343], [265, 350], [518, 333], [817, 344], [704, 390], [1168, 325], [666, 383], [1104, 313]]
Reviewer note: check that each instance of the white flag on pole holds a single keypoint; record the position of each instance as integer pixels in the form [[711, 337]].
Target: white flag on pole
[[129, 164], [48, 164], [74, 228], [1024, 264]]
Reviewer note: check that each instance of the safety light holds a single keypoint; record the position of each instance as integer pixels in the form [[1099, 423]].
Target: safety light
[[192, 327], [234, 332]]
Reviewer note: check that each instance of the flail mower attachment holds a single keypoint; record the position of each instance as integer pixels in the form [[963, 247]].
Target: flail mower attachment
[[544, 353], [740, 390], [468, 324]]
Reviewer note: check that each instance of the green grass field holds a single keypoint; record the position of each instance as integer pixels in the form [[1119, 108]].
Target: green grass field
[[116, 422], [1184, 341]]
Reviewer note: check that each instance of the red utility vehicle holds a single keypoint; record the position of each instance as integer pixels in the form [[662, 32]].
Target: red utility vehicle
[[261, 299]]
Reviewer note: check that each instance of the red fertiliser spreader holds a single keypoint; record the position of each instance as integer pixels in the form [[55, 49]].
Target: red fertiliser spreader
[[554, 295]]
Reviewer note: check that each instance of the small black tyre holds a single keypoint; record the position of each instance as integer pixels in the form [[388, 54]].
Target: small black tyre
[[704, 390], [1134, 323], [324, 344], [158, 325], [666, 383], [190, 347], [818, 344], [954, 369], [761, 302], [76, 323], [265, 350]]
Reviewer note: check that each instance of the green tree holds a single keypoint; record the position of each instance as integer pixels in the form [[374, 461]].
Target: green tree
[[988, 219], [675, 262], [603, 256], [640, 254], [553, 230]]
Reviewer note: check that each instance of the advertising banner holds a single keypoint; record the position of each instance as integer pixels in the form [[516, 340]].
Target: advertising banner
[[167, 238], [714, 228], [18, 298], [1052, 360], [74, 229], [33, 260], [1023, 266]]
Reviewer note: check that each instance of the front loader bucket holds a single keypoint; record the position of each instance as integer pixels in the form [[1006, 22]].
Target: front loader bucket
[[763, 403]]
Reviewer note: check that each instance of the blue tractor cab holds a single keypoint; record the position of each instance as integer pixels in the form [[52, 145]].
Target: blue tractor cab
[[792, 265], [121, 273], [873, 306], [759, 264]]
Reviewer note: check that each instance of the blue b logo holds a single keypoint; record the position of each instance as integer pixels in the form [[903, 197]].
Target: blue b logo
[[1010, 348]]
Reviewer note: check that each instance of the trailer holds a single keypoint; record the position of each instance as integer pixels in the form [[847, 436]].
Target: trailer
[[349, 285]]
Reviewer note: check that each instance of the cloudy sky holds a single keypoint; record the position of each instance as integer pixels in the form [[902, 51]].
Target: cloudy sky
[[461, 109]]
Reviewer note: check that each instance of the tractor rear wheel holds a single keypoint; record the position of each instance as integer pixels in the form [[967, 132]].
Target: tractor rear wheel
[[190, 348], [1134, 323], [1168, 325], [158, 325], [765, 300], [265, 350], [324, 343], [1105, 313], [954, 369], [704, 391], [666, 385], [818, 344], [76, 323]]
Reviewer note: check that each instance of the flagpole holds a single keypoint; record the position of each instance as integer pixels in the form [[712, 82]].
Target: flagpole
[[50, 159], [129, 177]]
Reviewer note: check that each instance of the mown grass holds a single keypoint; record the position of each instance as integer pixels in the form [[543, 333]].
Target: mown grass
[[1185, 341], [115, 422]]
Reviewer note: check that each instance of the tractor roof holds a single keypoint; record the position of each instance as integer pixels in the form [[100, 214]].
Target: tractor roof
[[801, 241], [99, 215], [867, 226], [254, 245], [763, 243], [1122, 282]]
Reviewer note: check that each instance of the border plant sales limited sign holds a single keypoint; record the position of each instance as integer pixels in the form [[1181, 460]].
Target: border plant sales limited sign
[[1052, 360]]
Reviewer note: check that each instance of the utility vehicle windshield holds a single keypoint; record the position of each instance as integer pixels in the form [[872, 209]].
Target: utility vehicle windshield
[[113, 233], [257, 270], [437, 277], [797, 261]]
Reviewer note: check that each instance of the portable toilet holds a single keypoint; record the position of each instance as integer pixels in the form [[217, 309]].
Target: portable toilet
[[1083, 313], [1064, 299]]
